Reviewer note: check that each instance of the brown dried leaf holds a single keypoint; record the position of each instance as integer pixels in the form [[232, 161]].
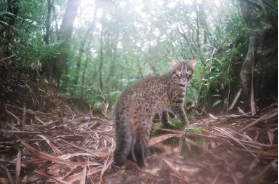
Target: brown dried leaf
[[18, 165], [264, 117], [163, 147], [49, 157], [270, 136], [59, 179], [83, 175], [14, 116], [233, 138], [173, 167], [161, 138], [75, 177], [107, 164], [54, 148], [102, 152], [195, 144]]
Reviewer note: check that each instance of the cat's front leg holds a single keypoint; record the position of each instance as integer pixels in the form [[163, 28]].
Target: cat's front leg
[[164, 118], [180, 113]]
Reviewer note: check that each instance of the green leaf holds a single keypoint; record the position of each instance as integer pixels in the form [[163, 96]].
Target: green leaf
[[4, 23], [218, 29], [216, 95], [217, 102], [226, 101], [219, 61]]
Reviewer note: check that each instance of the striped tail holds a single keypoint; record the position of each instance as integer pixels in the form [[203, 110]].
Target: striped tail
[[123, 138]]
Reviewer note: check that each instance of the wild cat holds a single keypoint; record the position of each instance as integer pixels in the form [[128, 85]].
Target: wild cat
[[136, 105]]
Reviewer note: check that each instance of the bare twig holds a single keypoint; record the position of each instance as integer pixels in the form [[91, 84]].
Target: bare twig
[[23, 117], [7, 58]]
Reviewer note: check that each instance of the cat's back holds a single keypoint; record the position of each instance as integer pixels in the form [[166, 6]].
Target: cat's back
[[143, 90]]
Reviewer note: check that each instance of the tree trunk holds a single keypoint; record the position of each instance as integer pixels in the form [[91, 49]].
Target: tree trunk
[[82, 44], [259, 27], [101, 61], [49, 6], [64, 35], [253, 22], [197, 22], [83, 73], [246, 72]]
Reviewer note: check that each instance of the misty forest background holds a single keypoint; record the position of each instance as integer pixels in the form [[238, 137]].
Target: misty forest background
[[92, 50]]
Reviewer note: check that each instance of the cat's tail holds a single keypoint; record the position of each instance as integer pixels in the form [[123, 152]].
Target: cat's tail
[[123, 138]]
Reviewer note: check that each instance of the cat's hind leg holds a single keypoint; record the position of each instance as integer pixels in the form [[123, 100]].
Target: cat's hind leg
[[139, 151], [131, 155]]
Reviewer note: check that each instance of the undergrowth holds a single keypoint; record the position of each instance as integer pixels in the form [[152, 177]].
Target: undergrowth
[[187, 151]]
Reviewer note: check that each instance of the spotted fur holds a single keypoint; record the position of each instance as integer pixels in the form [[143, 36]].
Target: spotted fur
[[137, 104]]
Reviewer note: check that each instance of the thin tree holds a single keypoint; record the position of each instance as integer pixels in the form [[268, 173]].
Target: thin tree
[[65, 33]]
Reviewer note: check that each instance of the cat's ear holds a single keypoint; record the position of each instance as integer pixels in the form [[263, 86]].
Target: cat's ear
[[192, 64], [175, 63]]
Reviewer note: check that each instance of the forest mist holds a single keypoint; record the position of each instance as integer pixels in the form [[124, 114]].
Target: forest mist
[[94, 49]]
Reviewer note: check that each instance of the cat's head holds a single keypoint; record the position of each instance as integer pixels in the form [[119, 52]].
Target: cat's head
[[182, 72]]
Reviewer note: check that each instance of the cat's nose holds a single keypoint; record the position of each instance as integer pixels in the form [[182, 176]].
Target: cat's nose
[[184, 79]]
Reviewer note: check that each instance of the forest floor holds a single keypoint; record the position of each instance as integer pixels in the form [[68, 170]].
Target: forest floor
[[71, 143]]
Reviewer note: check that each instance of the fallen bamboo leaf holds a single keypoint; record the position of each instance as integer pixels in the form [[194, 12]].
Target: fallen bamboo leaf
[[39, 120], [265, 154], [31, 161], [19, 132], [170, 130], [161, 138], [160, 145], [212, 116], [172, 167], [14, 116], [18, 165], [102, 152], [233, 138], [107, 164], [242, 112], [59, 179], [270, 136], [195, 144], [75, 177], [54, 148], [49, 157], [83, 175], [265, 117], [259, 176], [184, 178]]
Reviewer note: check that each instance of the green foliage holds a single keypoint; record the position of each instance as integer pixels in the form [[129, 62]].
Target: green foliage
[[217, 102], [195, 151], [5, 17], [126, 41], [177, 125]]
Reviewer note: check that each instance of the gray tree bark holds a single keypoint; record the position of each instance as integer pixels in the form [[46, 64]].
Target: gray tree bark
[[255, 48]]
